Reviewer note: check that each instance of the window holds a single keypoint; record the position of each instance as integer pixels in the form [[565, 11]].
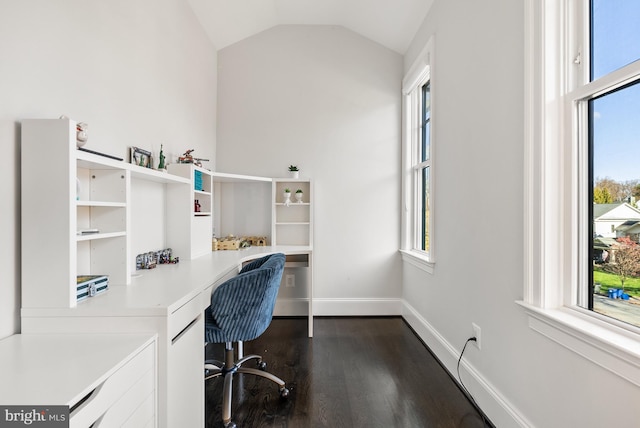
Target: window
[[421, 172], [418, 218], [609, 131], [581, 101]]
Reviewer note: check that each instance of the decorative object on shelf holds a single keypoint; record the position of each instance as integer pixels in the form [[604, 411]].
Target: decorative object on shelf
[[197, 207], [287, 196], [81, 132], [197, 180], [161, 157], [214, 244], [187, 157], [153, 258], [229, 243], [294, 172], [141, 157], [256, 241], [299, 195], [90, 285]]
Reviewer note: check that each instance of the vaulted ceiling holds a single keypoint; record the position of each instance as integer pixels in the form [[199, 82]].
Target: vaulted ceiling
[[392, 23]]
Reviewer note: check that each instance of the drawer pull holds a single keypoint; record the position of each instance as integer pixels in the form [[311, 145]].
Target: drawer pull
[[184, 330]]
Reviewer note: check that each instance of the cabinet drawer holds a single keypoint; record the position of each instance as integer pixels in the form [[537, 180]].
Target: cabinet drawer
[[183, 316], [134, 409], [141, 367]]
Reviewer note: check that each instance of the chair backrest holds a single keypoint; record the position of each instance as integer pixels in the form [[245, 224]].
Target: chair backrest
[[242, 307]]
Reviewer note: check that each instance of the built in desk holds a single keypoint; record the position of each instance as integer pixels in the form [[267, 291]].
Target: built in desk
[[168, 301]]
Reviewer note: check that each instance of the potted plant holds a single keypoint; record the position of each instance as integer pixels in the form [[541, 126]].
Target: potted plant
[[287, 196], [294, 171], [299, 194]]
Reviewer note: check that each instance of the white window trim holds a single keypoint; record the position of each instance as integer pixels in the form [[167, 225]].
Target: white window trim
[[550, 250], [419, 73]]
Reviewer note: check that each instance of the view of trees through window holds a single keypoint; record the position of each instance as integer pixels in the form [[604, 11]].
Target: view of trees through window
[[614, 157]]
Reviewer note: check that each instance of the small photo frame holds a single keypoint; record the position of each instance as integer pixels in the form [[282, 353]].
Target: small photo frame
[[141, 157]]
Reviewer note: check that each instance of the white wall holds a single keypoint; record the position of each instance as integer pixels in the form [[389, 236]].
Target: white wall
[[519, 377], [327, 100], [140, 73]]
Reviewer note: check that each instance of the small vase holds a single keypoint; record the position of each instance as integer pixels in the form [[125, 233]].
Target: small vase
[[299, 198], [287, 198], [294, 174]]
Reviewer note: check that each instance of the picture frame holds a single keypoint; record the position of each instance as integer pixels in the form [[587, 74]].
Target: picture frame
[[141, 157]]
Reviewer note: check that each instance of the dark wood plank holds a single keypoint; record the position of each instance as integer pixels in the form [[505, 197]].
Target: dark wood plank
[[356, 372]]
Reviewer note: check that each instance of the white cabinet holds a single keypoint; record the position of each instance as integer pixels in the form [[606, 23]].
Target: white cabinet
[[105, 380], [292, 218], [75, 213], [190, 213]]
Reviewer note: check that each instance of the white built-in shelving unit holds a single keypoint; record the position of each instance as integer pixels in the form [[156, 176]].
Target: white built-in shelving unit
[[191, 228], [66, 192], [292, 222]]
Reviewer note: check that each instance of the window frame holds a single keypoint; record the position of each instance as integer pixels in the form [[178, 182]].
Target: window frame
[[419, 74], [556, 84]]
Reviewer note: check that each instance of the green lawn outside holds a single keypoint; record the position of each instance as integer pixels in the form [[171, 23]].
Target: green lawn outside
[[609, 280]]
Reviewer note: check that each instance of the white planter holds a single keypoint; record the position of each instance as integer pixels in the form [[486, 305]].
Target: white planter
[[294, 174], [299, 197]]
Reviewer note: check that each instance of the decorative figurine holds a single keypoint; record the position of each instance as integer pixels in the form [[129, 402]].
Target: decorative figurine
[[188, 158], [161, 164], [81, 134]]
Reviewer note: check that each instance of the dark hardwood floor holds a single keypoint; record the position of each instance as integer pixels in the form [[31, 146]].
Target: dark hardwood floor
[[355, 372]]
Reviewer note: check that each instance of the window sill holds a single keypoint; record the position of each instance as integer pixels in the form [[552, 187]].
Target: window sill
[[610, 347], [418, 260]]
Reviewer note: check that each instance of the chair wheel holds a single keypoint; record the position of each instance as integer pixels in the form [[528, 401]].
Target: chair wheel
[[230, 425], [284, 393], [262, 366]]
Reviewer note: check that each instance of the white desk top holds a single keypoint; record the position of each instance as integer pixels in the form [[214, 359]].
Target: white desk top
[[71, 365], [160, 291]]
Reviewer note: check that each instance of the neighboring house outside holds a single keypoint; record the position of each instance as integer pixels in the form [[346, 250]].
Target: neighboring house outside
[[608, 217], [612, 221], [630, 228]]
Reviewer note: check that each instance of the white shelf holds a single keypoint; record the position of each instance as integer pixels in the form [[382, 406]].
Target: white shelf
[[293, 223], [93, 161], [221, 177], [101, 204], [95, 236]]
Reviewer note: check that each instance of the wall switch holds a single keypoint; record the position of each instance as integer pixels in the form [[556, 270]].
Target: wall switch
[[290, 281], [477, 334]]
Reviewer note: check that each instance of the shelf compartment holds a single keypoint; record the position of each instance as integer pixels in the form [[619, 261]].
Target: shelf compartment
[[294, 213], [292, 233]]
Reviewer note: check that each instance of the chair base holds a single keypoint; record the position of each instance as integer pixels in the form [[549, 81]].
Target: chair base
[[228, 368]]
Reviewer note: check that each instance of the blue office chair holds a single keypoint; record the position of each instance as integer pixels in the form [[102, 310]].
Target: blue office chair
[[241, 309]]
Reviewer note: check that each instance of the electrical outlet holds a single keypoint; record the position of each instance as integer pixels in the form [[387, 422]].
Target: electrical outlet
[[477, 334], [289, 280]]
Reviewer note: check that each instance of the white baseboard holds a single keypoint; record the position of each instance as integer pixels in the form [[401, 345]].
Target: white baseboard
[[357, 307], [287, 307], [491, 401]]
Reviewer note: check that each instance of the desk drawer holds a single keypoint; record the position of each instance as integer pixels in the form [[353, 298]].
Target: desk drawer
[[183, 316], [140, 370]]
